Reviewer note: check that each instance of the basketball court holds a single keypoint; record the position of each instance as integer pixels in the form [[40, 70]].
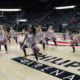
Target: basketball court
[[49, 31], [61, 58]]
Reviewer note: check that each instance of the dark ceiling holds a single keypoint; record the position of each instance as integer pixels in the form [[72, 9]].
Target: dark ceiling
[[32, 7], [35, 3]]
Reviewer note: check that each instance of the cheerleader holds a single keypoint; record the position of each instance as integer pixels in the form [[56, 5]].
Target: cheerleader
[[27, 41], [30, 41], [3, 39], [22, 46], [68, 34], [12, 34], [74, 43], [50, 35], [39, 36]]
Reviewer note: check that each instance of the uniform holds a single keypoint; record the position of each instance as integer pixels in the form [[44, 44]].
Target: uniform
[[29, 39], [51, 36], [20, 40], [12, 35], [3, 40], [74, 43], [30, 43], [68, 35], [38, 37]]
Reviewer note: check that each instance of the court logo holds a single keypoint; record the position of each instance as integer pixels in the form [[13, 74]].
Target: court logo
[[64, 75], [59, 61]]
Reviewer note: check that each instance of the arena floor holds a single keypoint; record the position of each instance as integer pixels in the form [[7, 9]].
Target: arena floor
[[12, 70]]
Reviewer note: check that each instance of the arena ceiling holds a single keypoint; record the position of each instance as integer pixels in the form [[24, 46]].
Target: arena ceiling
[[32, 7], [34, 3]]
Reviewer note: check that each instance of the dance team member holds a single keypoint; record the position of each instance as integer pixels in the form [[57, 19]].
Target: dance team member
[[51, 35], [12, 34], [74, 43], [39, 36], [30, 42], [3, 38], [68, 34]]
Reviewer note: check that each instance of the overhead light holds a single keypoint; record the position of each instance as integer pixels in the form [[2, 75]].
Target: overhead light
[[22, 20], [10, 10], [65, 7]]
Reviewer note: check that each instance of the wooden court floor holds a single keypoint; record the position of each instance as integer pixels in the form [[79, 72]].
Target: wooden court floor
[[11, 70]]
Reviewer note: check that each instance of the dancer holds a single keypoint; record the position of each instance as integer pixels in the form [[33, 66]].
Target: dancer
[[50, 35], [3, 38], [74, 43], [68, 34], [12, 34], [30, 42], [39, 36]]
